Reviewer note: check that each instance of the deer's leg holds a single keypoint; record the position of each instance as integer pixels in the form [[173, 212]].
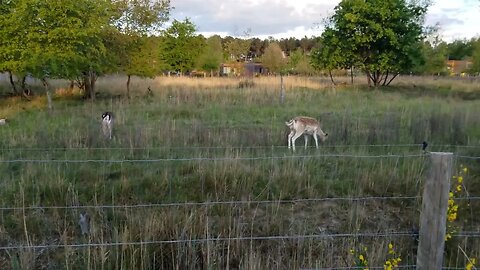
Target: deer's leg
[[316, 139], [294, 139], [305, 136], [290, 138]]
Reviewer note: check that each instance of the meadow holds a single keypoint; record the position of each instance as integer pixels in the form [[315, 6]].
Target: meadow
[[198, 175]]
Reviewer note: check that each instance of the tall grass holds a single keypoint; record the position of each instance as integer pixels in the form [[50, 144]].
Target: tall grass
[[192, 141]]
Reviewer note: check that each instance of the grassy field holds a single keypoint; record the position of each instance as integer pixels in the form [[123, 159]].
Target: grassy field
[[209, 140]]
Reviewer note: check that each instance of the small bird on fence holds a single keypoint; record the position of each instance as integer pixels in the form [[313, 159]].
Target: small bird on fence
[[424, 146], [84, 223]]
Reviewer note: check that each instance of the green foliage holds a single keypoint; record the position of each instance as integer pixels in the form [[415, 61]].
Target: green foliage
[[141, 16], [237, 49], [476, 58], [59, 39], [435, 57], [212, 56], [274, 59], [180, 46], [461, 49], [380, 37]]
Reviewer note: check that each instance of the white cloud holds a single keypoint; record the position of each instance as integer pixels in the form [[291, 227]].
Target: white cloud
[[299, 18]]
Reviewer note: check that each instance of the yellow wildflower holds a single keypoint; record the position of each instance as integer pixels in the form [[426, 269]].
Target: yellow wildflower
[[465, 170]]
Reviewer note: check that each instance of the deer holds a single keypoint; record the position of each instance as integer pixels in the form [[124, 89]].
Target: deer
[[107, 124], [306, 126]]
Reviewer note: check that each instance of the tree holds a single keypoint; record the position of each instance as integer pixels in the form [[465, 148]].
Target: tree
[[237, 49], [332, 54], [460, 49], [180, 46], [381, 37], [136, 53], [212, 56], [53, 39], [476, 58], [435, 56], [274, 60]]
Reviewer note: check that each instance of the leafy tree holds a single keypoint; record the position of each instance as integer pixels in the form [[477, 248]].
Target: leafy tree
[[181, 46], [141, 17], [212, 56], [274, 58], [381, 37], [237, 49], [332, 54], [476, 58], [460, 49], [136, 53], [53, 39], [435, 59]]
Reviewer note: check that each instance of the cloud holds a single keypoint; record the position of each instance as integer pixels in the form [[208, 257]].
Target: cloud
[[297, 18], [262, 18]]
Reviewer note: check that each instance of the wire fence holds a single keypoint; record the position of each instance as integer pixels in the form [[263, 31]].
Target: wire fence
[[215, 203], [231, 147], [391, 234], [237, 158]]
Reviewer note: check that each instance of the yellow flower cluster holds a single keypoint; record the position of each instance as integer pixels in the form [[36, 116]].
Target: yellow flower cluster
[[452, 209], [471, 264], [393, 261], [360, 258]]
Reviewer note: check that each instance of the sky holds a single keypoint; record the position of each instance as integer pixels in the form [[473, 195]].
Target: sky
[[457, 19]]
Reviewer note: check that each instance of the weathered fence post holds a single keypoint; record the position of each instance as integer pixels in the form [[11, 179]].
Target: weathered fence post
[[433, 216]]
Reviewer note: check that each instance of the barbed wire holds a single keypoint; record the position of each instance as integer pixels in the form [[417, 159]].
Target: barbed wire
[[206, 158], [466, 157], [228, 239], [212, 203], [213, 239], [223, 147], [202, 147]]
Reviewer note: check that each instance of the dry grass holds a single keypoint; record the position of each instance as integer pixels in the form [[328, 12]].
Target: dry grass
[[213, 117]]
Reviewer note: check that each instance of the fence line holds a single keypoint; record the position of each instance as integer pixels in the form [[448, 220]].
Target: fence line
[[226, 147], [205, 158], [215, 239], [228, 239], [201, 147], [467, 157], [212, 203]]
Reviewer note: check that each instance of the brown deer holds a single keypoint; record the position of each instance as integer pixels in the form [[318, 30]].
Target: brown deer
[[306, 126]]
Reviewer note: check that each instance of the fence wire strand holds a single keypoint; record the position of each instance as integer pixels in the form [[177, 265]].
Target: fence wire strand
[[228, 239], [211, 203], [207, 158]]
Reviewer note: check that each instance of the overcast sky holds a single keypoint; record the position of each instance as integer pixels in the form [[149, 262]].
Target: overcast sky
[[458, 19]]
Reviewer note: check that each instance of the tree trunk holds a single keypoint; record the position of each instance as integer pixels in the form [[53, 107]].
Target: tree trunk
[[72, 85], [10, 77], [25, 90], [385, 79], [331, 77], [394, 76], [89, 79], [128, 86], [369, 79], [351, 75], [87, 86], [49, 95]]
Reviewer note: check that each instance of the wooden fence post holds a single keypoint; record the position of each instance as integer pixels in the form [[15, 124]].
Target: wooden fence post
[[433, 216]]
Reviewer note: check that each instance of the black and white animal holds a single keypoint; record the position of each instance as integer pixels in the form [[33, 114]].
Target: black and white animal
[[107, 124], [306, 126]]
